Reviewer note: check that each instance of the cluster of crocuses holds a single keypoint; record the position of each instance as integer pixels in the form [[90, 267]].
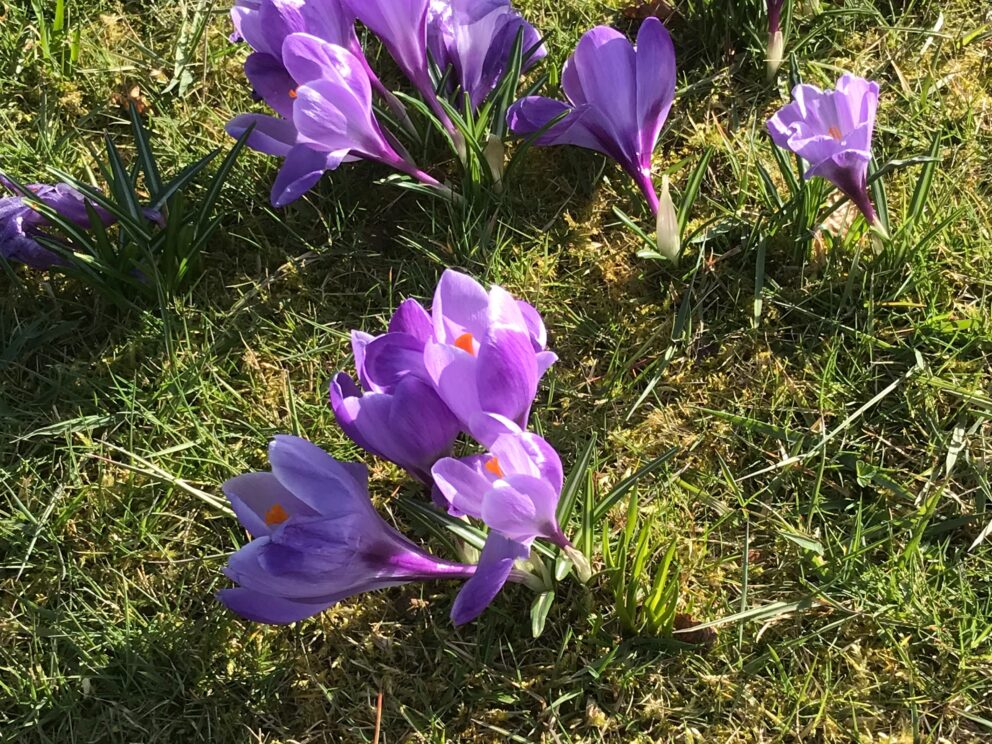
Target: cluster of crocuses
[[471, 366]]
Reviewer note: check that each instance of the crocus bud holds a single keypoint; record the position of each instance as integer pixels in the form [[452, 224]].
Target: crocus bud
[[669, 242], [495, 154], [776, 48]]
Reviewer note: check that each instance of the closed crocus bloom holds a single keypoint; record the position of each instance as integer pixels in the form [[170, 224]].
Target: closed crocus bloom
[[776, 41], [396, 414], [317, 538], [21, 224], [487, 353], [409, 425], [401, 26], [831, 130], [476, 37], [618, 99]]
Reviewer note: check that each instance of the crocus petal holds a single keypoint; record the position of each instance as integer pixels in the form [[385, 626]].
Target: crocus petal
[[460, 306], [266, 608], [271, 82], [524, 453], [261, 502], [401, 26], [453, 372], [535, 325], [521, 507], [309, 472], [494, 568], [532, 114], [507, 374], [391, 357], [270, 135], [462, 486], [655, 73], [411, 318], [300, 172]]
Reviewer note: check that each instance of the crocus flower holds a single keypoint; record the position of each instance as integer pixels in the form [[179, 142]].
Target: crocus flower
[[396, 414], [487, 354], [776, 42], [618, 99], [317, 538], [831, 130], [401, 26], [476, 37], [21, 224], [332, 120], [514, 488]]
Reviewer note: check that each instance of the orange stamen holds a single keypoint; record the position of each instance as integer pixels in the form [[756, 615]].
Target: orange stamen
[[275, 515], [492, 465], [465, 343], [835, 133], [292, 93]]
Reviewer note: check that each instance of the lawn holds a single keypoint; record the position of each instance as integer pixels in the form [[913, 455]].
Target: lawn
[[813, 406]]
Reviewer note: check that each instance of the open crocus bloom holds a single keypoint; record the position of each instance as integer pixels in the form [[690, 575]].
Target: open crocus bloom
[[396, 415], [317, 538], [476, 38], [487, 353], [514, 488], [312, 45], [831, 130], [618, 99], [21, 224]]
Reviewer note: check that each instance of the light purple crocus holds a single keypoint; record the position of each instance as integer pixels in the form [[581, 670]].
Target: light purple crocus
[[618, 95], [514, 488], [476, 38], [831, 130], [318, 540], [21, 224], [395, 414], [332, 120], [487, 354]]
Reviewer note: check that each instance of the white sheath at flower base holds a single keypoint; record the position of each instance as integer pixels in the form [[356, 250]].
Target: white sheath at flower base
[[776, 49], [495, 153], [669, 242]]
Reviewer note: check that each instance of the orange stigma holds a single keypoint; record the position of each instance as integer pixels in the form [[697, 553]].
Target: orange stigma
[[292, 93], [464, 342], [492, 465], [835, 133], [275, 515]]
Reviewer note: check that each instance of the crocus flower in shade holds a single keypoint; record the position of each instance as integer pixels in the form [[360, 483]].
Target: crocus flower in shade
[[831, 130], [395, 414], [487, 354], [476, 38], [618, 95], [21, 224], [318, 539], [776, 41], [332, 120]]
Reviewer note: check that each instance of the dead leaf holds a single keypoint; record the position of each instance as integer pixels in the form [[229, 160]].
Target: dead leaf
[[647, 8]]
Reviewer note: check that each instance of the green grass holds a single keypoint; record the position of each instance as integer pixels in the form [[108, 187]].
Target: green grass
[[830, 406]]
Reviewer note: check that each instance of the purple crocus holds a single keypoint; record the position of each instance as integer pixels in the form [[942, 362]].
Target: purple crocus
[[401, 26], [318, 540], [618, 95], [487, 354], [331, 122], [514, 488], [831, 130], [395, 414], [476, 38], [21, 224]]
